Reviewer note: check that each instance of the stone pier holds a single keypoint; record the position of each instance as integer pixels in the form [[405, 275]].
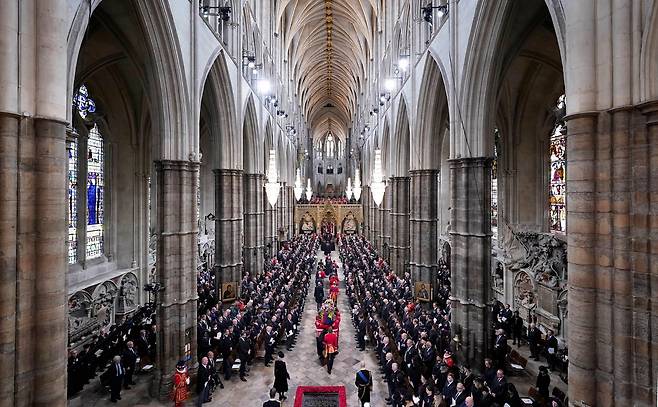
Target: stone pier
[[423, 223], [254, 218], [471, 254], [400, 245]]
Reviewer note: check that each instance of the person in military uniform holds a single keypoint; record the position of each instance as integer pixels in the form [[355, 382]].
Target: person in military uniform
[[363, 384]]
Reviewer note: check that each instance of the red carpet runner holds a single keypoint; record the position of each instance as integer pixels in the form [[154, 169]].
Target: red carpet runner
[[309, 396]]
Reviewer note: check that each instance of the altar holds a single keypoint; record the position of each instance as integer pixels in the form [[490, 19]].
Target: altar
[[340, 218]]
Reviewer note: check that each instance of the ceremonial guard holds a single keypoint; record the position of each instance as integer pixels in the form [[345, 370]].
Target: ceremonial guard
[[330, 348], [181, 380]]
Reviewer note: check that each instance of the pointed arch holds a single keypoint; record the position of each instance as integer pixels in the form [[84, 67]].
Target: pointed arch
[[250, 144], [385, 145], [217, 108], [433, 117], [402, 139]]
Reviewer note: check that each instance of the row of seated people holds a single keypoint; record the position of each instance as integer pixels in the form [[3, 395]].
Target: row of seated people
[[134, 339], [412, 343], [266, 314]]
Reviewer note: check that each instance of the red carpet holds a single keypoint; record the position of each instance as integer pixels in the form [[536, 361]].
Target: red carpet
[[337, 391]]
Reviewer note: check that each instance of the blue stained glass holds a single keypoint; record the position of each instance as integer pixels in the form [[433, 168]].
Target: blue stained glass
[[72, 202], [83, 103], [95, 194]]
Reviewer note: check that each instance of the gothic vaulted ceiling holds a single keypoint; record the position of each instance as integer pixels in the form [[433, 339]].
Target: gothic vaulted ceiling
[[328, 44]]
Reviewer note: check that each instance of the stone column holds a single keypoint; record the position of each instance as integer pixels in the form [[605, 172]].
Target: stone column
[[376, 225], [290, 198], [254, 236], [365, 204], [385, 225], [293, 204], [400, 217], [643, 230], [9, 272], [281, 208], [581, 224], [270, 226], [228, 227], [470, 184], [423, 222], [177, 257], [33, 260]]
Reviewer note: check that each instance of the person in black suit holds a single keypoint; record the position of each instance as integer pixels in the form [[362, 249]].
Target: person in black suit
[[319, 294], [129, 362], [281, 377], [214, 374], [460, 395], [450, 388], [203, 382], [534, 334], [499, 386], [361, 333], [116, 373], [289, 326], [272, 402], [225, 350], [269, 339], [397, 384], [500, 348], [551, 349], [244, 348], [517, 327]]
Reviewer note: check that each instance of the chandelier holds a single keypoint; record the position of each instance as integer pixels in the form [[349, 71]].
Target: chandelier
[[299, 188], [349, 190], [309, 191], [357, 186], [377, 185], [272, 187]]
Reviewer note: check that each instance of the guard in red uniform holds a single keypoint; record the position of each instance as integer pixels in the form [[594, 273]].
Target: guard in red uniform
[[181, 381], [330, 348]]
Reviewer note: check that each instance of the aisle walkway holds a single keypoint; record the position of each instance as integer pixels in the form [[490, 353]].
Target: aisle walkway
[[304, 366]]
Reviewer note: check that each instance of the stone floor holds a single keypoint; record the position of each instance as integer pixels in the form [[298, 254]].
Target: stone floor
[[304, 369], [304, 366]]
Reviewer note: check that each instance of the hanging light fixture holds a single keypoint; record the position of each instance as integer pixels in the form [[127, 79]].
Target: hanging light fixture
[[309, 191], [272, 186], [378, 186], [349, 190], [299, 188], [357, 186]]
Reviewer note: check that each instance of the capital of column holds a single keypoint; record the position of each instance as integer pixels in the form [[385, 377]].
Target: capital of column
[[253, 176], [650, 110], [227, 171]]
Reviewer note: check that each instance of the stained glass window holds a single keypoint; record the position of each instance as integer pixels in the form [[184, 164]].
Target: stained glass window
[[494, 185], [95, 193], [330, 146], [72, 151], [558, 175], [83, 103]]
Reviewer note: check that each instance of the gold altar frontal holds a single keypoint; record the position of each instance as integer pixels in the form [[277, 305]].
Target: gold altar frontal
[[347, 218]]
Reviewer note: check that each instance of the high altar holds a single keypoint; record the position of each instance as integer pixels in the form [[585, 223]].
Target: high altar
[[342, 218]]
